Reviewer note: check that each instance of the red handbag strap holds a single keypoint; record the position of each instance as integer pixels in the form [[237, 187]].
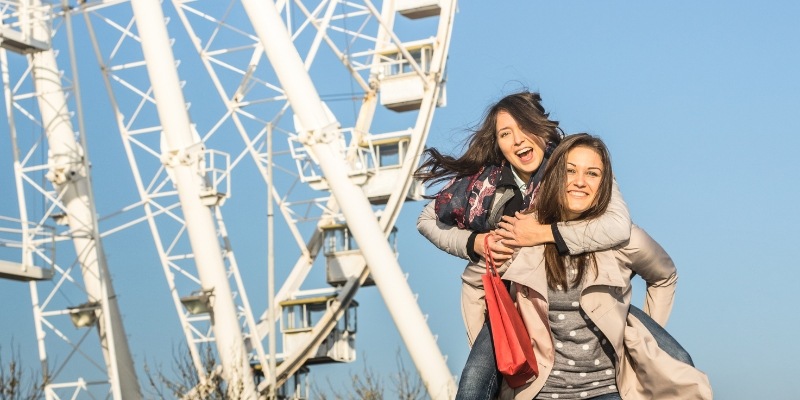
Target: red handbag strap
[[487, 254]]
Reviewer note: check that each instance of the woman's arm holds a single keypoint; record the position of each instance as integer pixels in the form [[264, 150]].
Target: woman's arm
[[450, 239], [648, 259], [459, 242], [601, 233]]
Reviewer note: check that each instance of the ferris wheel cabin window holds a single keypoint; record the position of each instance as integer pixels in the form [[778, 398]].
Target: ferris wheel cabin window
[[391, 154], [420, 55]]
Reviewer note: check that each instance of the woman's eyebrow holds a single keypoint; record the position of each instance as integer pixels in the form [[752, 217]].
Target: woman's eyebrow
[[575, 165]]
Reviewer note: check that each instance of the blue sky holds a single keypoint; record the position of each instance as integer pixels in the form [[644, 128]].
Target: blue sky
[[697, 102]]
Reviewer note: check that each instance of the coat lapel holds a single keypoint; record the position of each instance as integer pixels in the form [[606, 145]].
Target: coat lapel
[[608, 273], [527, 268]]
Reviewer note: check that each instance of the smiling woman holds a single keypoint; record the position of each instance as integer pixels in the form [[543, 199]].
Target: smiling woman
[[576, 307], [497, 174], [523, 150]]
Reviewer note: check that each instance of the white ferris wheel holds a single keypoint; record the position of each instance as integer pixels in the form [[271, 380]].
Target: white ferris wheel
[[318, 109]]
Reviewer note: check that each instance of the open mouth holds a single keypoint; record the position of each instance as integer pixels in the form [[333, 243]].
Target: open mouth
[[525, 154]]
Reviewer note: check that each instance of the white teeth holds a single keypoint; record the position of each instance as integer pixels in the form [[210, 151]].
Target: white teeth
[[523, 151]]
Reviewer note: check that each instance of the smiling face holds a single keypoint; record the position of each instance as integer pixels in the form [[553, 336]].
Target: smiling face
[[584, 175], [523, 150]]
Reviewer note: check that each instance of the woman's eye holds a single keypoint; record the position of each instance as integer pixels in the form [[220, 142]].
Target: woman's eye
[[502, 134], [594, 174], [570, 170]]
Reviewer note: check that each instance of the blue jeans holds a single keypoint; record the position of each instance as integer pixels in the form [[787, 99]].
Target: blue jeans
[[480, 379], [609, 396], [665, 341]]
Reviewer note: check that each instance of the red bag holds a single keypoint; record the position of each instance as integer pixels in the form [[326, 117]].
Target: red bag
[[512, 345]]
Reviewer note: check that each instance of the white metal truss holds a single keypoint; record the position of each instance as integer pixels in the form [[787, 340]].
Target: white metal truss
[[361, 56], [354, 40], [119, 50], [81, 339]]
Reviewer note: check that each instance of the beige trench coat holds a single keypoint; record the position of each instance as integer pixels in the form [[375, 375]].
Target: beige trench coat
[[643, 370]]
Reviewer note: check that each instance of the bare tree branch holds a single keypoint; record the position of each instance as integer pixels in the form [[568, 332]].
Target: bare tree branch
[[15, 384]]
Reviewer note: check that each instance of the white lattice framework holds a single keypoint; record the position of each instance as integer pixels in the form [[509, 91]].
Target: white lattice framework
[[350, 50], [56, 212]]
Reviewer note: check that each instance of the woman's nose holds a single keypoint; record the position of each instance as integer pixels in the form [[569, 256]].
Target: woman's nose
[[578, 180], [519, 137]]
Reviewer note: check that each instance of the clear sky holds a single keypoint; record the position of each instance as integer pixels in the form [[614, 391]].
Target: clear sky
[[698, 102]]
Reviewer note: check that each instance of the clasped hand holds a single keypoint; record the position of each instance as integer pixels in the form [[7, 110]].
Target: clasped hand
[[512, 233]]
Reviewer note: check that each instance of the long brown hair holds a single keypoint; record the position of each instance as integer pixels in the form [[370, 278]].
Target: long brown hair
[[550, 206], [526, 109]]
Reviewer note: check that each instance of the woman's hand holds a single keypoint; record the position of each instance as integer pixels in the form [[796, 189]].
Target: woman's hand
[[523, 230], [500, 251]]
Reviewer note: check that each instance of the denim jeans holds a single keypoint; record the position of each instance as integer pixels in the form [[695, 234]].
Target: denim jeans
[[665, 341], [480, 379], [609, 396]]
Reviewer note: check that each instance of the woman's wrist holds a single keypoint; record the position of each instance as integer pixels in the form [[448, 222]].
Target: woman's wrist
[[473, 251]]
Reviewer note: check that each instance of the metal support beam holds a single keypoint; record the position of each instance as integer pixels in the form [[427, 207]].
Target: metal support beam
[[320, 130], [69, 174], [182, 156]]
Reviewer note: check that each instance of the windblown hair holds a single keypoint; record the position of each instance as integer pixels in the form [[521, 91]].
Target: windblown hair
[[526, 109], [550, 206]]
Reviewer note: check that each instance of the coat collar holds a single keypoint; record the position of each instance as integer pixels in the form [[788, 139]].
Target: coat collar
[[527, 268]]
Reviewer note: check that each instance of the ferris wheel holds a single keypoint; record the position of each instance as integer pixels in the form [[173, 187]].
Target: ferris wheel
[[324, 106]]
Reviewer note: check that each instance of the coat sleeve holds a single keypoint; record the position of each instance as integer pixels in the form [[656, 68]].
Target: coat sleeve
[[602, 233], [650, 261], [450, 239]]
